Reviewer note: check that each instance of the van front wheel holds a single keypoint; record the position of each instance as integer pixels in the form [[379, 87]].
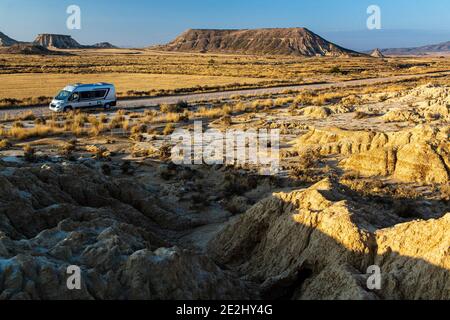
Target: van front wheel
[[107, 106], [67, 109]]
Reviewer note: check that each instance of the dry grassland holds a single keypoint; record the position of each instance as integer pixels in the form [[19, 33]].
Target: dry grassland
[[28, 80]]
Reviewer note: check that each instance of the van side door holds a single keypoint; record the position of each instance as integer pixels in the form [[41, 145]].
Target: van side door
[[74, 100], [86, 99]]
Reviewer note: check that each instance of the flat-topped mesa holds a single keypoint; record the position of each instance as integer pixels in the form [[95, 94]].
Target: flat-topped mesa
[[277, 41], [59, 41]]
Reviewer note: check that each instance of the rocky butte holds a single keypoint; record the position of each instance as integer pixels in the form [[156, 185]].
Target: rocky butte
[[274, 41]]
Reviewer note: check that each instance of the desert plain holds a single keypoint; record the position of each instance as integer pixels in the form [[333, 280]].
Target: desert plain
[[364, 178]]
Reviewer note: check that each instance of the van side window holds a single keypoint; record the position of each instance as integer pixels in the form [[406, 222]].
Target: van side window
[[74, 96], [86, 95], [100, 93]]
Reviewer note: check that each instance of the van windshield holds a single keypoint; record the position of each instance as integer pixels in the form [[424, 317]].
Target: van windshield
[[63, 95]]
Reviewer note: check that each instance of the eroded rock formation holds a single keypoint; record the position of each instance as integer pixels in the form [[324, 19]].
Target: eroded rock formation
[[117, 232], [318, 243]]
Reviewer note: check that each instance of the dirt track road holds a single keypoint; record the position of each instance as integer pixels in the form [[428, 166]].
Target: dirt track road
[[148, 102]]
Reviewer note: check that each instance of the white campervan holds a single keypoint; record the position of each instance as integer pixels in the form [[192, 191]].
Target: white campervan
[[78, 96]]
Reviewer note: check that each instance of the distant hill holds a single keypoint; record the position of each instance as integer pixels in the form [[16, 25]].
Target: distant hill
[[58, 41], [61, 41], [6, 41], [44, 42], [377, 53], [282, 41], [435, 48], [103, 45], [29, 49]]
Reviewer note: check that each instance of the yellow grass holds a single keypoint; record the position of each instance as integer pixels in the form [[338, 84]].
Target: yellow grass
[[32, 79], [25, 133], [25, 85]]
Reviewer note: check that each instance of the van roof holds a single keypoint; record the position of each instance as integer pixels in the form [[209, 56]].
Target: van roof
[[73, 87]]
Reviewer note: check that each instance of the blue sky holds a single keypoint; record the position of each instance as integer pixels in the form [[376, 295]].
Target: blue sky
[[141, 23]]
